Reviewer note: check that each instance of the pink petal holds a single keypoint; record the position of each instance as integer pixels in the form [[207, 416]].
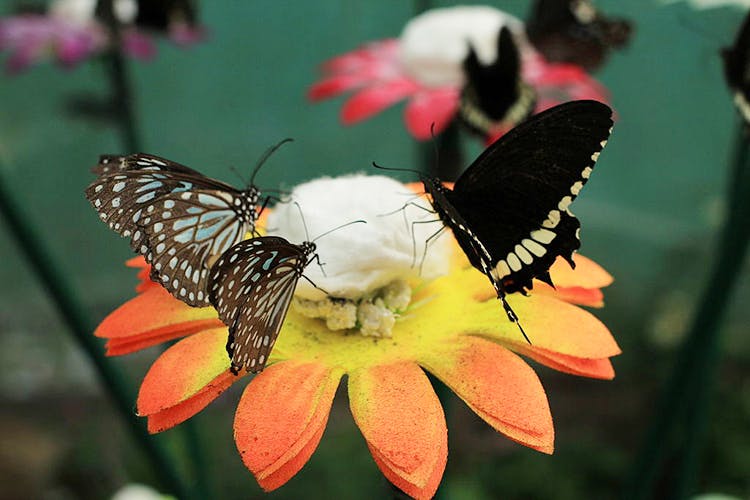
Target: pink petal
[[430, 107], [374, 99]]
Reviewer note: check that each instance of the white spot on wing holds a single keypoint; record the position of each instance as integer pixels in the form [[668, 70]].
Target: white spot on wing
[[543, 235]]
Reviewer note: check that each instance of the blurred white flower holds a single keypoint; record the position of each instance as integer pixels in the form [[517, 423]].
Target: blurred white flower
[[433, 45], [134, 491]]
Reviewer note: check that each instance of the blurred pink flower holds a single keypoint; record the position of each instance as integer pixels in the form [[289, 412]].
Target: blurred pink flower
[[424, 66], [71, 36]]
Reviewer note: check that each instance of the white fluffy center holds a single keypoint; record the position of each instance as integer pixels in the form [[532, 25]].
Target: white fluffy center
[[360, 258]]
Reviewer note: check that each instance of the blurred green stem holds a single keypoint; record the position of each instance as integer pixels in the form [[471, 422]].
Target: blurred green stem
[[689, 390], [72, 312], [442, 157]]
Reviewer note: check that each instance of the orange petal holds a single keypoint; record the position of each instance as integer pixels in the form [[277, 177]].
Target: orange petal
[[152, 317], [587, 274], [551, 324], [193, 365], [594, 368], [402, 421], [169, 417], [499, 386], [143, 274], [591, 297], [281, 417]]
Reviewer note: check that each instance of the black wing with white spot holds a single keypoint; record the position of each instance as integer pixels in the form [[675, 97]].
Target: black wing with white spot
[[509, 210], [251, 287], [179, 219]]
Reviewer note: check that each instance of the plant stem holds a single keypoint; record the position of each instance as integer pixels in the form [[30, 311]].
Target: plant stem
[[72, 312], [442, 157], [687, 394]]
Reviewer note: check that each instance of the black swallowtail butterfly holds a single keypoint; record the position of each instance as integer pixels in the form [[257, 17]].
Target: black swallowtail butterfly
[[509, 209], [251, 286], [737, 69], [179, 219], [574, 31], [495, 96]]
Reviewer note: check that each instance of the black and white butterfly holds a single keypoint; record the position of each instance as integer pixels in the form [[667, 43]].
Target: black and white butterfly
[[180, 220], [737, 69], [495, 96], [509, 210], [251, 287], [575, 31]]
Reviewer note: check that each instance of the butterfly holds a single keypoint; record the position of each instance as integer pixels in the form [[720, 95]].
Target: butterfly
[[494, 95], [180, 220], [509, 209], [737, 69], [575, 31], [251, 287]]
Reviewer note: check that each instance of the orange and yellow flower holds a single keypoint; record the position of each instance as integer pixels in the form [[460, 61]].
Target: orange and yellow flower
[[454, 329]]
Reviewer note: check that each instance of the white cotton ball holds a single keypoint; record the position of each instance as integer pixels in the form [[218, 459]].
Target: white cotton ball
[[433, 45], [360, 258]]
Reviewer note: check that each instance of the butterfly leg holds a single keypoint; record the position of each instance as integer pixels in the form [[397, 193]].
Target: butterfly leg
[[414, 239], [316, 258], [512, 316], [316, 286], [429, 241]]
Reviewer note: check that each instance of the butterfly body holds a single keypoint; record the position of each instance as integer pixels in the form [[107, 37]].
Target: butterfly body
[[251, 286], [180, 220], [509, 211]]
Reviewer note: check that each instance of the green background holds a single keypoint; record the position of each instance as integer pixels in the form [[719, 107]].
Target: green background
[[649, 215]]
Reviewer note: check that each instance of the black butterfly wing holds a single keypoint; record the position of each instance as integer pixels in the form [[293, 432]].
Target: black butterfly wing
[[513, 200], [575, 31], [184, 234], [251, 287], [737, 68]]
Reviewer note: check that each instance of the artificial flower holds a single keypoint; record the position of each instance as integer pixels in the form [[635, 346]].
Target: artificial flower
[[70, 33], [453, 328], [425, 66]]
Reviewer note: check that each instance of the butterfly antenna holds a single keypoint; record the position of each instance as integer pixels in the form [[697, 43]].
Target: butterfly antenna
[[512, 316], [358, 221], [304, 224], [238, 174], [392, 169], [265, 157], [435, 147]]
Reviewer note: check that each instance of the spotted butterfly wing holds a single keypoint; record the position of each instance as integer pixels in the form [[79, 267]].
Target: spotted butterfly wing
[[251, 287], [495, 96], [737, 69], [180, 220], [575, 31], [509, 209]]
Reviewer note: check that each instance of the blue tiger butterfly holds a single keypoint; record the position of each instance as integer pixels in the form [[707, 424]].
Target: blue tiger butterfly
[[180, 220]]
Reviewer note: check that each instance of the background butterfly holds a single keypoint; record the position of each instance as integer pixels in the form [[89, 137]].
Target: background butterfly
[[737, 69], [575, 31], [509, 209], [179, 219], [251, 287], [495, 95]]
